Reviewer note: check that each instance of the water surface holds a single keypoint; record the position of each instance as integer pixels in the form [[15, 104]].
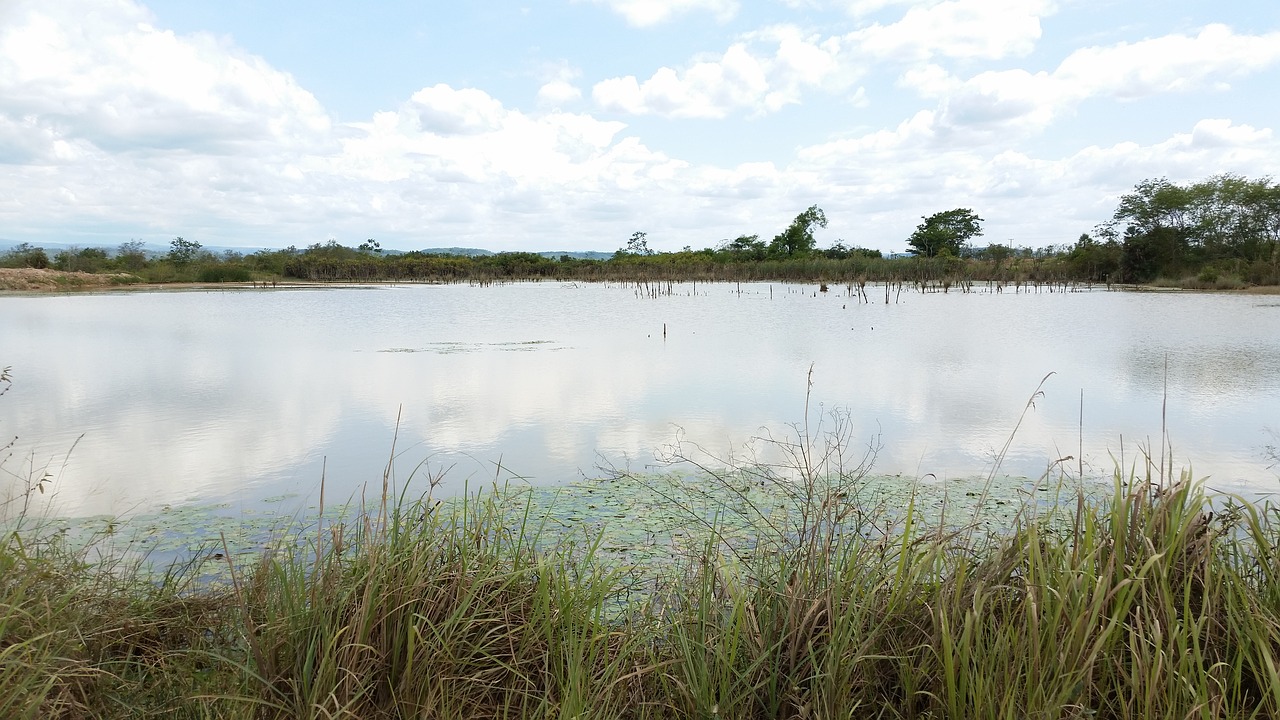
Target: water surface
[[135, 400]]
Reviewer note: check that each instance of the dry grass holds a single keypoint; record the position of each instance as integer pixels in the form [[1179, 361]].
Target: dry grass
[[39, 280]]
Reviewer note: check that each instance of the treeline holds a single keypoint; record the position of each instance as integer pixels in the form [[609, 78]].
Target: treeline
[[1223, 232], [1224, 226], [186, 261]]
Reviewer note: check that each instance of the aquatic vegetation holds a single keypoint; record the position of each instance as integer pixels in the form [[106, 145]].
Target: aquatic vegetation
[[791, 582], [1141, 601], [787, 580]]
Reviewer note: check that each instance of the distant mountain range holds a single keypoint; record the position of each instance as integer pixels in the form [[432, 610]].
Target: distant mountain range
[[553, 254], [154, 249], [578, 255]]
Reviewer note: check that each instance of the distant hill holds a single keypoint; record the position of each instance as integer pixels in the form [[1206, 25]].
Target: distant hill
[[154, 249], [552, 254], [469, 252], [577, 254], [7, 244]]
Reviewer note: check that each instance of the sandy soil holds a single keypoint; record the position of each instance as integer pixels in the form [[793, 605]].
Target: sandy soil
[[33, 280], [28, 280], [1263, 290]]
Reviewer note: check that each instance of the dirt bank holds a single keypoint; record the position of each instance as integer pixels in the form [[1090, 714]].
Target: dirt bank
[[34, 280]]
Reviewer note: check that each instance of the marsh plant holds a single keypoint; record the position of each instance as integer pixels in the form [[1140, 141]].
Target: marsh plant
[[798, 591]]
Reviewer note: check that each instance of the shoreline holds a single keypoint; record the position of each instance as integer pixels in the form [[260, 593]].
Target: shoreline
[[33, 281], [38, 281], [478, 611]]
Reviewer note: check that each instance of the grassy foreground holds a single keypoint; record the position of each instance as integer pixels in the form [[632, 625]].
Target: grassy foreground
[[1149, 603]]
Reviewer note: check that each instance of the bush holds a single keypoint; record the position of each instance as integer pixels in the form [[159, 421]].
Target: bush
[[223, 273], [24, 255], [1261, 272], [90, 260]]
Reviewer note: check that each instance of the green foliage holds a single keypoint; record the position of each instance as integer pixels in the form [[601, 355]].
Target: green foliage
[[1161, 231], [637, 244], [797, 240], [271, 262], [793, 591], [1172, 229], [25, 255], [744, 247], [997, 253], [840, 251], [88, 260], [224, 273], [1094, 261], [131, 256], [182, 252], [945, 233]]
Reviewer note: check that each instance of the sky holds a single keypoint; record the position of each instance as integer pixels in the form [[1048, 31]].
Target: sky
[[571, 124]]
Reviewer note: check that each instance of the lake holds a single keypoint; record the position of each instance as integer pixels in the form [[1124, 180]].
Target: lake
[[135, 400]]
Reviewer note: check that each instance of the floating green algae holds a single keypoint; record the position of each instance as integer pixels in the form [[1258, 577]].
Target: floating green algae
[[646, 519], [638, 522]]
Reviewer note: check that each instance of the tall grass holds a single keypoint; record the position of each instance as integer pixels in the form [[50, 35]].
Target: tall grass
[[105, 639], [1159, 600]]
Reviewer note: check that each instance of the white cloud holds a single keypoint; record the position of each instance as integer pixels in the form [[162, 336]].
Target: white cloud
[[996, 102], [929, 80], [445, 111], [916, 131], [143, 128], [472, 138], [887, 179], [560, 88], [1220, 133], [709, 89], [769, 69], [646, 13], [1173, 63], [112, 128], [557, 93], [740, 79], [1002, 100], [99, 71], [988, 29], [859, 8]]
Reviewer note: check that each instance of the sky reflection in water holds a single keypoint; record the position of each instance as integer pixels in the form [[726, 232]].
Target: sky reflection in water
[[239, 395]]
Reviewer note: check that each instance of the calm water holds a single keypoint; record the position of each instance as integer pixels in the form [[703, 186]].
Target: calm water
[[240, 395]]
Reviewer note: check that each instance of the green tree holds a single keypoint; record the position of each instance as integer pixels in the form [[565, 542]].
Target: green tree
[[89, 260], [745, 247], [25, 255], [637, 245], [183, 251], [840, 251], [797, 240], [1170, 229], [333, 250], [1156, 204], [1094, 261], [995, 252], [131, 255], [945, 233]]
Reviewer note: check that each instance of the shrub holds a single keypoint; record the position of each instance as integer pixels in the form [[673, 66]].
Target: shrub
[[223, 273]]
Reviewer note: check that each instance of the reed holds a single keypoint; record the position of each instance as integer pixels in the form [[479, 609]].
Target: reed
[[1155, 599]]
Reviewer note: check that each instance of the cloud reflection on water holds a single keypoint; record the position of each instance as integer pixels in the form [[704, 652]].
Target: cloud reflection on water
[[201, 396]]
